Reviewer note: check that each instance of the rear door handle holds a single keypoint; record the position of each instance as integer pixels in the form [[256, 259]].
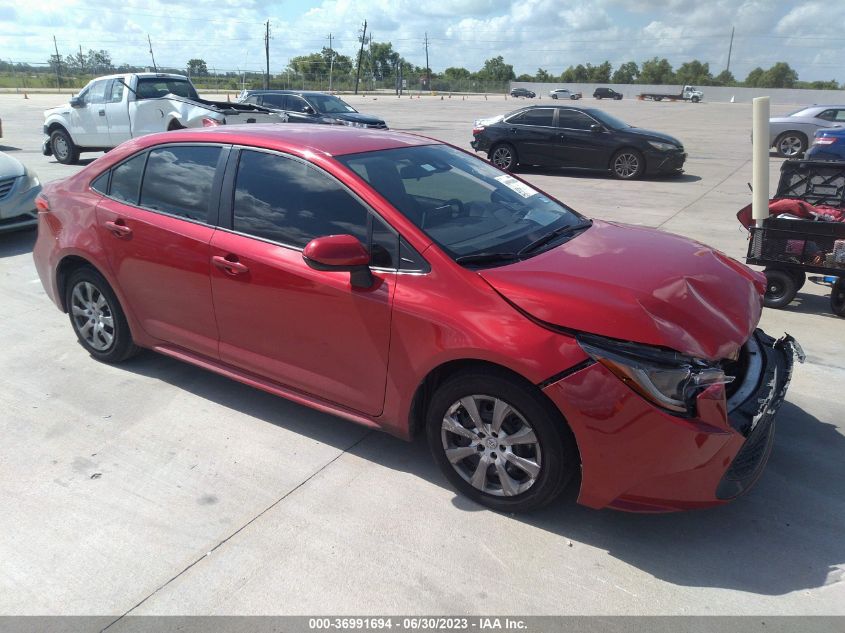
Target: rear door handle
[[118, 228], [229, 264]]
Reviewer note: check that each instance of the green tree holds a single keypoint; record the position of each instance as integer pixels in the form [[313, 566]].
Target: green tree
[[724, 78], [599, 74], [310, 67], [568, 75], [525, 77], [495, 69], [657, 71], [456, 74], [694, 72], [627, 73], [780, 75], [98, 62], [755, 78], [824, 85], [543, 76], [197, 67], [581, 74]]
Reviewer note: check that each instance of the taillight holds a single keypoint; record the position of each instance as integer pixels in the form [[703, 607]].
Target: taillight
[[209, 122], [477, 130], [824, 140], [41, 203]]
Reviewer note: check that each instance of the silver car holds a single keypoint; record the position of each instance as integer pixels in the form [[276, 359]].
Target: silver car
[[18, 188], [790, 135]]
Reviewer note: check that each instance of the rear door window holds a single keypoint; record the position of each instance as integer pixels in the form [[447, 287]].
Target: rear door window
[[274, 101], [126, 179], [178, 180]]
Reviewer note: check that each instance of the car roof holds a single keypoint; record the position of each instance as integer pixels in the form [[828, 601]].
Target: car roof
[[288, 92], [298, 138]]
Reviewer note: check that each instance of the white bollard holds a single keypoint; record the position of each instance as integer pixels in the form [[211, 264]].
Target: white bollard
[[760, 160]]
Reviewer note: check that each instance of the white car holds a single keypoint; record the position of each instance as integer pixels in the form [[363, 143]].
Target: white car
[[116, 108], [563, 93], [18, 188], [790, 135]]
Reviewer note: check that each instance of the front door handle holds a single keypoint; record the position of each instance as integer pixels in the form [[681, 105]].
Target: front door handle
[[118, 228], [102, 113], [229, 264]]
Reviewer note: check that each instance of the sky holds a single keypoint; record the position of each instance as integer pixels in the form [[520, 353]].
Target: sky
[[529, 34]]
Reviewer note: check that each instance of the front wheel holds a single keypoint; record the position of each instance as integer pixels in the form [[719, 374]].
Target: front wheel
[[65, 151], [503, 156], [97, 318], [781, 288], [791, 144], [837, 297], [695, 99], [554, 97], [498, 442], [627, 164]]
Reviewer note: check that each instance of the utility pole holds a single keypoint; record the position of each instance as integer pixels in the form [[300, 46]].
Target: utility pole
[[730, 49], [360, 55], [153, 57], [81, 60], [58, 66], [427, 68], [331, 61], [267, 55]]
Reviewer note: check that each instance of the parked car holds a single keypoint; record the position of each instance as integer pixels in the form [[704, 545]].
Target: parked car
[[312, 107], [828, 144], [789, 135], [563, 93], [523, 92], [606, 93], [18, 188], [115, 108], [405, 284], [583, 138]]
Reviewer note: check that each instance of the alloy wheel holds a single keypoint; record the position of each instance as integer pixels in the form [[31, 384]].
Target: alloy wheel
[[626, 165], [92, 316], [790, 146], [502, 158], [491, 445]]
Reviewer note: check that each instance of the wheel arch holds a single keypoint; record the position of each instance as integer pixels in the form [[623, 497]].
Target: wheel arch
[[633, 148], [65, 268], [58, 125]]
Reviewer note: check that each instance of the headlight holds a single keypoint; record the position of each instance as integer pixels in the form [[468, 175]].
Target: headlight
[[668, 379], [353, 123], [663, 147], [30, 180]]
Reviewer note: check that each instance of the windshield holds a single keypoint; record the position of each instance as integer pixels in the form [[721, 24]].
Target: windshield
[[330, 104], [465, 205], [610, 121], [155, 87]]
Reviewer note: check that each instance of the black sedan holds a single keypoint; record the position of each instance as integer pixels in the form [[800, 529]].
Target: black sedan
[[523, 92], [307, 106], [583, 138]]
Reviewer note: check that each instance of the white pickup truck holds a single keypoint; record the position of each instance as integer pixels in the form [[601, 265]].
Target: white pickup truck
[[115, 108]]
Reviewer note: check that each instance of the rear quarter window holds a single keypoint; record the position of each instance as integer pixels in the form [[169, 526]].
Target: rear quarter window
[[126, 179], [179, 180]]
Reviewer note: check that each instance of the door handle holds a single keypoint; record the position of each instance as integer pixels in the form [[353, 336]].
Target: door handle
[[229, 264], [102, 113], [119, 228], [513, 130]]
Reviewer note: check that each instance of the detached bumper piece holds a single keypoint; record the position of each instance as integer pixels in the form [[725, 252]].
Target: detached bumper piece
[[754, 417]]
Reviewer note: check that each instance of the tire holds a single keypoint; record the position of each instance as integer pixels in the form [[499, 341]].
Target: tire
[[837, 297], [658, 98], [598, 98], [627, 164], [503, 156], [791, 144], [781, 288], [695, 99], [619, 98], [63, 147], [91, 302], [800, 278], [554, 97], [537, 468]]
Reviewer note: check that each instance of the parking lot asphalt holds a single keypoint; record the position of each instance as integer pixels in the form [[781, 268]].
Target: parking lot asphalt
[[154, 487]]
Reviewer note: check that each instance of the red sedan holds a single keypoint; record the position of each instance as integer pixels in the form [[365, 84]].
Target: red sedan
[[404, 284]]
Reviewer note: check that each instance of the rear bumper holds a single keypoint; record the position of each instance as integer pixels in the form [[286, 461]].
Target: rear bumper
[[637, 457]]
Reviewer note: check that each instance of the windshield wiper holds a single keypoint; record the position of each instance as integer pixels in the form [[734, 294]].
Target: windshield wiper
[[487, 258], [548, 237]]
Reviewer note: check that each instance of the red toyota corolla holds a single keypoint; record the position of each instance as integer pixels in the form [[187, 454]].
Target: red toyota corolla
[[404, 284]]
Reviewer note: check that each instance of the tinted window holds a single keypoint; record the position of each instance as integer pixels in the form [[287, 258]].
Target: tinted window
[[115, 94], [539, 116], [126, 179], [574, 120], [384, 245], [296, 104], [290, 202], [274, 101], [178, 180], [154, 87], [101, 184], [827, 115]]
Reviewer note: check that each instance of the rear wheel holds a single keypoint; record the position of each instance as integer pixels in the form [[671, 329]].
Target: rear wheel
[[97, 318], [791, 144], [627, 164], [781, 288], [503, 156], [63, 147], [498, 442], [837, 297]]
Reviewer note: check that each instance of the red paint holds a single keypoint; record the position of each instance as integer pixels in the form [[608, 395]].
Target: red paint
[[258, 313]]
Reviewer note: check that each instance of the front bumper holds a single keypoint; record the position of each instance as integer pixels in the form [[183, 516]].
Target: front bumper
[[17, 209], [637, 457], [665, 162]]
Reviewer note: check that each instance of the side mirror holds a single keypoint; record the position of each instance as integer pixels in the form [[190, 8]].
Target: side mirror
[[596, 127], [340, 253], [308, 110], [77, 102]]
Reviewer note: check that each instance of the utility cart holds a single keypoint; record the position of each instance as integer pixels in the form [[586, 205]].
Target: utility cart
[[805, 233]]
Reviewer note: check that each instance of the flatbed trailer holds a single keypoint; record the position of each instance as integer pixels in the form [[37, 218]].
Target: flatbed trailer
[[689, 93]]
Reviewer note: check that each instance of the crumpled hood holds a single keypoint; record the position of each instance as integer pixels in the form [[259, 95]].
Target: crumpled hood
[[638, 284], [357, 117]]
